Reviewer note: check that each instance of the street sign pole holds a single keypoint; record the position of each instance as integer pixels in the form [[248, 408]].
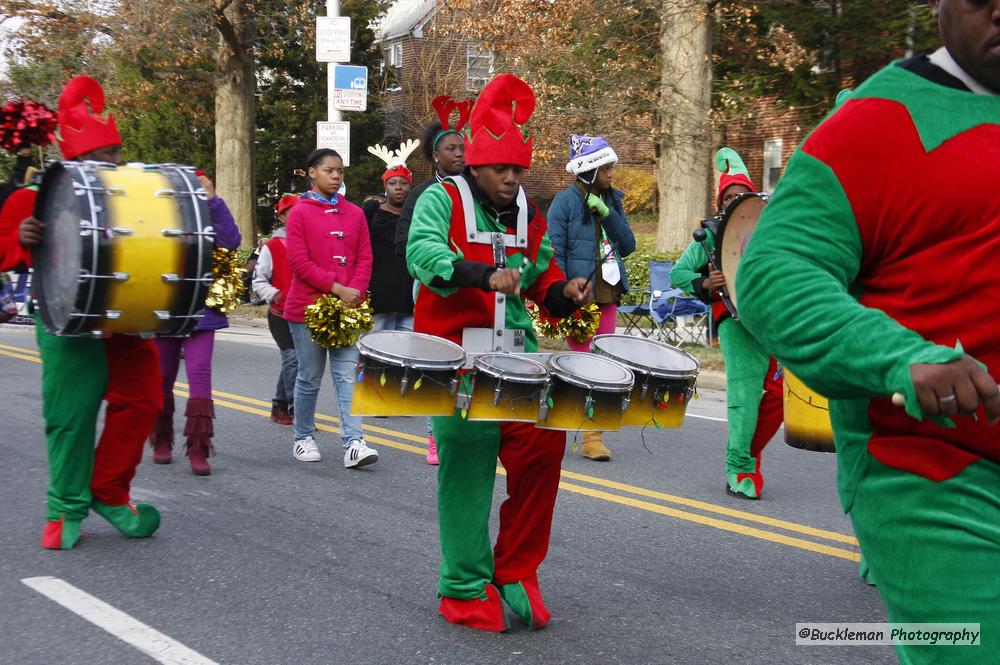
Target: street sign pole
[[332, 9]]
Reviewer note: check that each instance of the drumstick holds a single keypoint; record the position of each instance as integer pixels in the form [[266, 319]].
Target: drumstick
[[700, 237]]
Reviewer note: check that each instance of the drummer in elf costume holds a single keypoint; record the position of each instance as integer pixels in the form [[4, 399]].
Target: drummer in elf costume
[[77, 372], [754, 409], [476, 244], [871, 273]]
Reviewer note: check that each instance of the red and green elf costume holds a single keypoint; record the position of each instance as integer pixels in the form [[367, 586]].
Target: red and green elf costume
[[79, 372], [754, 408], [877, 252], [454, 272]]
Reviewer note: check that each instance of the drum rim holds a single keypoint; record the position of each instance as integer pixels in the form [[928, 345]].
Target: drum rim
[[516, 377], [397, 361], [603, 386], [643, 369]]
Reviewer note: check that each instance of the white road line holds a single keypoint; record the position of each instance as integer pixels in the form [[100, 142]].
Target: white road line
[[151, 642]]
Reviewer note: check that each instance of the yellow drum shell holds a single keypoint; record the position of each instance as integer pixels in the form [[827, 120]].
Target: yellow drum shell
[[568, 410], [518, 401], [146, 254], [433, 397], [667, 413], [807, 417]]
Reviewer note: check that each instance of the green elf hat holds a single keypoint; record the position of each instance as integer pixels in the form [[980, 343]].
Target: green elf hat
[[734, 172], [496, 132]]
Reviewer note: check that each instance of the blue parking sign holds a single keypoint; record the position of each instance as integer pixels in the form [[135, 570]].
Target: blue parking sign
[[350, 87]]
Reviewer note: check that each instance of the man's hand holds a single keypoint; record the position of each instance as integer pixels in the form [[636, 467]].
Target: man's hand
[[578, 290], [207, 185], [716, 280], [31, 232], [955, 388], [351, 297], [595, 203], [506, 281]]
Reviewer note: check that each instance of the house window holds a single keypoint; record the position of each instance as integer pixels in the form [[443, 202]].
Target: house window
[[772, 164], [479, 67], [394, 62]]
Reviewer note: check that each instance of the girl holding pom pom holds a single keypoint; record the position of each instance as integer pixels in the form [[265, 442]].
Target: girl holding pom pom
[[329, 252]]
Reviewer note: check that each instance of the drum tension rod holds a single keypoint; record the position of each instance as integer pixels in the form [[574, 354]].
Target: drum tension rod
[[116, 276], [496, 392], [172, 277], [176, 233]]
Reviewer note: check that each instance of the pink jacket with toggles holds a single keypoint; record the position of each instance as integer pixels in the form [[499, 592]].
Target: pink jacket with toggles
[[326, 244]]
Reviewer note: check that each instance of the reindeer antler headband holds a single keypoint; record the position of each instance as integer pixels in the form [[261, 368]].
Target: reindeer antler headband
[[395, 160], [444, 105]]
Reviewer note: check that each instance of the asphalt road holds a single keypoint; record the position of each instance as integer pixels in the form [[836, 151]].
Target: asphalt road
[[270, 560]]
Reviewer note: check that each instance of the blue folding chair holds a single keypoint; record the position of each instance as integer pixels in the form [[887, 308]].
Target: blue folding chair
[[637, 315], [679, 318]]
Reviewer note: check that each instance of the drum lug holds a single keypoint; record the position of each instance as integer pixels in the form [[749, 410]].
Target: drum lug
[[165, 194], [404, 383], [116, 276], [497, 390], [162, 315], [113, 314], [645, 389], [453, 386], [177, 233], [120, 231], [625, 402]]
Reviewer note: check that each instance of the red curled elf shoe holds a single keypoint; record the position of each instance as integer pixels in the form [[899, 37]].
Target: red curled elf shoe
[[525, 599], [61, 534], [484, 613]]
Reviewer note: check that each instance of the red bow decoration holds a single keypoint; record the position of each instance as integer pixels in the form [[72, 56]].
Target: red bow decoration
[[25, 122]]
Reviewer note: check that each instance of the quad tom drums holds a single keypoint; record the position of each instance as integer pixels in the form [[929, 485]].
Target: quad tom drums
[[665, 378], [128, 249], [406, 374], [586, 393], [506, 387]]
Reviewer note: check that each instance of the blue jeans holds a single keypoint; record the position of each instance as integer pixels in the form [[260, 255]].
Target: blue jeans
[[393, 321], [312, 362], [285, 390]]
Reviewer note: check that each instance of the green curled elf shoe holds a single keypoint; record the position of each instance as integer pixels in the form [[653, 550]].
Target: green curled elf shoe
[[865, 572], [525, 599], [135, 521], [61, 534], [742, 485]]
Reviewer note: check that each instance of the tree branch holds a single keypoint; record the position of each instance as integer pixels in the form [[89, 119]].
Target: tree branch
[[178, 73]]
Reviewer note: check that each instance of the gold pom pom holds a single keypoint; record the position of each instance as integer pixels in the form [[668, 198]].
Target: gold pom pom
[[543, 326], [334, 325], [227, 280], [581, 324]]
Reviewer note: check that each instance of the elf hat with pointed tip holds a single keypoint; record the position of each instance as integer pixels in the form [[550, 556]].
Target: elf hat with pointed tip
[[734, 172], [587, 153], [84, 123], [496, 133]]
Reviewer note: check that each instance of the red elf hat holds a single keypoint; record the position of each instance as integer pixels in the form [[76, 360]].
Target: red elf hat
[[496, 132], [84, 123], [734, 172]]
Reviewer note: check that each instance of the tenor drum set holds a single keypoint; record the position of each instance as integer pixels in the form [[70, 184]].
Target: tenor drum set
[[625, 381]]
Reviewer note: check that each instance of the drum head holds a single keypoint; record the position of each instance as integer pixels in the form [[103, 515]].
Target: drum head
[[645, 356], [58, 261], [511, 368], [408, 349], [589, 371], [735, 230]]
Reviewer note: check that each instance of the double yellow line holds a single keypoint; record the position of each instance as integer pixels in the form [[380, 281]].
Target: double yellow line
[[774, 530]]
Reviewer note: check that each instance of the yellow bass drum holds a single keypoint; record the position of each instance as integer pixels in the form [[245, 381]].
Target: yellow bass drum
[[807, 417]]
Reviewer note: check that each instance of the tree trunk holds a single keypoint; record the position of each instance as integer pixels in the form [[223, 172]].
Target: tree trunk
[[683, 173], [234, 118]]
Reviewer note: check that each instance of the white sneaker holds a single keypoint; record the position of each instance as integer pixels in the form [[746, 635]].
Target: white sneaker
[[359, 454], [305, 450]]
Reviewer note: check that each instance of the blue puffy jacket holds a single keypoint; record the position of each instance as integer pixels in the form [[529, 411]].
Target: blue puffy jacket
[[571, 230]]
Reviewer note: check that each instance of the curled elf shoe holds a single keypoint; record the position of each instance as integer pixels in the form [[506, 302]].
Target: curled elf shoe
[[61, 534], [742, 485], [432, 452], [525, 599], [138, 521], [485, 613]]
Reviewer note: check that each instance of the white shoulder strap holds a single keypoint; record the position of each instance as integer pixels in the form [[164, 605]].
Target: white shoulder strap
[[473, 234]]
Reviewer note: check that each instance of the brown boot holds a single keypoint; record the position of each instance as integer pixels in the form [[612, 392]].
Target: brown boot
[[162, 438], [198, 429], [594, 448]]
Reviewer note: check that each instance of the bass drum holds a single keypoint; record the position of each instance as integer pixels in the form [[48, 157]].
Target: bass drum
[[807, 417], [736, 227], [127, 249]]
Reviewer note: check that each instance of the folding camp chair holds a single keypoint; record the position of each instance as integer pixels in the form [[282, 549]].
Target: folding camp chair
[[636, 316]]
